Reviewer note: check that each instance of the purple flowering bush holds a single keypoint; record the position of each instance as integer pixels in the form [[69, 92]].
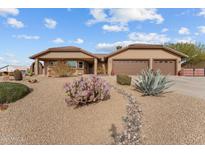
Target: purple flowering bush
[[87, 90]]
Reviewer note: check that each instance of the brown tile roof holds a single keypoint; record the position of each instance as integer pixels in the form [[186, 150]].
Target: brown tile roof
[[147, 46], [65, 49], [101, 55]]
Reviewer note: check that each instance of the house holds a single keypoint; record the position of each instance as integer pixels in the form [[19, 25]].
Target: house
[[11, 68], [127, 60]]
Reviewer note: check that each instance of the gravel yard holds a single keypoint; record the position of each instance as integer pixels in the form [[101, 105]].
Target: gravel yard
[[43, 117], [173, 118]]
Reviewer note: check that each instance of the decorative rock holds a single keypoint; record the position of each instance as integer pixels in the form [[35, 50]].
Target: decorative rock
[[132, 124]]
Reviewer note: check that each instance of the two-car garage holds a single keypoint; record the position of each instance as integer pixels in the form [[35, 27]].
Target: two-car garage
[[134, 58]]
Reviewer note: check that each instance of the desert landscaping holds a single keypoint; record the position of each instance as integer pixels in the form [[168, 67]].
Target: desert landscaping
[[43, 117]]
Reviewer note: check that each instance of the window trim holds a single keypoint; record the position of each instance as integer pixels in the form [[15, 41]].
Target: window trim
[[83, 64]]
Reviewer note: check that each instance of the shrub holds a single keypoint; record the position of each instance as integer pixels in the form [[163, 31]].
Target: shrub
[[152, 83], [11, 92], [100, 70], [87, 90], [29, 72], [124, 79], [18, 75], [62, 70]]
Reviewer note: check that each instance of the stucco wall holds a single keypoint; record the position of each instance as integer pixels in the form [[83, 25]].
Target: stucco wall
[[144, 54], [62, 55]]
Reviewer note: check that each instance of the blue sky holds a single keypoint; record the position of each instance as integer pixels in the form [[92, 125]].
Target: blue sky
[[24, 32]]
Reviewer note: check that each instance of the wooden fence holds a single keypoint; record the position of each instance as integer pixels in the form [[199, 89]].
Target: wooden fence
[[193, 72]]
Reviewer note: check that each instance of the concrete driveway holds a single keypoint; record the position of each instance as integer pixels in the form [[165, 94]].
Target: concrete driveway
[[191, 86]]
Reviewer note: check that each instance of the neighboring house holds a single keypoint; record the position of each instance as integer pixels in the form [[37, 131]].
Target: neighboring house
[[11, 68], [128, 60]]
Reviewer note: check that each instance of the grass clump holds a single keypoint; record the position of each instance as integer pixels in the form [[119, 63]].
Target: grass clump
[[11, 92]]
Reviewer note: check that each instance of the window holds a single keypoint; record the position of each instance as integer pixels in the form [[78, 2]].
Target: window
[[80, 64], [52, 63], [72, 63]]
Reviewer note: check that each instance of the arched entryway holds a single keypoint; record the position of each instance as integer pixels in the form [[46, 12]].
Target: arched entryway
[[40, 67]]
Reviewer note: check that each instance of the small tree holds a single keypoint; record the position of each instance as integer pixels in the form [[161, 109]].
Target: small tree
[[196, 52], [62, 70]]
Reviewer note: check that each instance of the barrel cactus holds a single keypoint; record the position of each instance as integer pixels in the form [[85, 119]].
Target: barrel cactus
[[151, 82]]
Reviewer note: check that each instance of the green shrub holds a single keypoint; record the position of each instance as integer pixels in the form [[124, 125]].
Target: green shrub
[[18, 75], [29, 72], [11, 92], [124, 79], [152, 83]]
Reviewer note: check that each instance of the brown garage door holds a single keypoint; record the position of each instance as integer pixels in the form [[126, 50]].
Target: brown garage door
[[166, 66], [129, 67]]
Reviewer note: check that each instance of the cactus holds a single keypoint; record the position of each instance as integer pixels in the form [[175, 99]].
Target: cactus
[[152, 83], [18, 75], [87, 90]]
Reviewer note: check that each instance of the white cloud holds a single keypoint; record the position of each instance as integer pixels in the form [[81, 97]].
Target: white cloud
[[27, 37], [148, 38], [115, 28], [58, 40], [184, 31], [15, 23], [201, 29], [201, 13], [165, 30], [50, 23], [8, 59], [9, 11], [112, 46], [78, 41], [124, 15]]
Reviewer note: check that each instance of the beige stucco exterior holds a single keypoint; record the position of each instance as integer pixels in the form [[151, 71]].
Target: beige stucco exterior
[[149, 54], [58, 56], [154, 54]]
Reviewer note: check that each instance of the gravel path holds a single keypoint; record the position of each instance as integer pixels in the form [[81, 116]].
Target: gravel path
[[170, 119], [43, 117]]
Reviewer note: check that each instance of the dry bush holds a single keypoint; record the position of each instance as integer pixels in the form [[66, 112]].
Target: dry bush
[[63, 70]]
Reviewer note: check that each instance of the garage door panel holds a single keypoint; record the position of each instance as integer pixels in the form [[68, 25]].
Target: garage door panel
[[165, 66], [129, 67]]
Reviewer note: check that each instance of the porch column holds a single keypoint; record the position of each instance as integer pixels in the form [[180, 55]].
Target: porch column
[[109, 67], [104, 69], [36, 67], [95, 66], [45, 67], [151, 63]]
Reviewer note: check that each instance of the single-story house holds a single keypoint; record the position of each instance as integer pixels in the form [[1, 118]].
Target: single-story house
[[127, 60]]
